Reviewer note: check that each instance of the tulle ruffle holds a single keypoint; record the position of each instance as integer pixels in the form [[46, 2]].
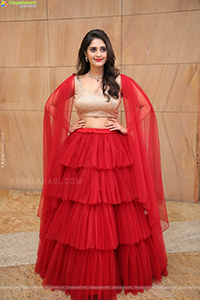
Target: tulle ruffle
[[101, 149], [81, 273], [102, 226], [92, 186]]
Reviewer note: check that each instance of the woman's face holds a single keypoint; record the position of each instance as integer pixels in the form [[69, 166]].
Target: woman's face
[[97, 53]]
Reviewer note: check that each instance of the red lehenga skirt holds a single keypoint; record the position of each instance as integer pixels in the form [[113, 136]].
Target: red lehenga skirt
[[97, 239]]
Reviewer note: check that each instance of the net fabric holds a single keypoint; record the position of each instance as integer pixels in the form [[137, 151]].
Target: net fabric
[[144, 139], [143, 135], [57, 115]]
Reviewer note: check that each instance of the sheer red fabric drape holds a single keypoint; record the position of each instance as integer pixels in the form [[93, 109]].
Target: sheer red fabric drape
[[145, 147]]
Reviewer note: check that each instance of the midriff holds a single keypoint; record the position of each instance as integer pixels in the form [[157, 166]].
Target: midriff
[[95, 122]]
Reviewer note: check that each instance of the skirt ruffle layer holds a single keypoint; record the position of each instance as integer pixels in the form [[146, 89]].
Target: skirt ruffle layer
[[95, 235], [87, 272], [92, 186], [101, 149], [102, 226]]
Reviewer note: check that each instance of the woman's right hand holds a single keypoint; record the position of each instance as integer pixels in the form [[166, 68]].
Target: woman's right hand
[[79, 124]]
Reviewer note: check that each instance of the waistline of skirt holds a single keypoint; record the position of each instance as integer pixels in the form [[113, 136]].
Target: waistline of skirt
[[97, 130]]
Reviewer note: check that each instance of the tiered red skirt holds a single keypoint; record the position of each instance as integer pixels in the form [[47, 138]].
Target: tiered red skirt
[[97, 238]]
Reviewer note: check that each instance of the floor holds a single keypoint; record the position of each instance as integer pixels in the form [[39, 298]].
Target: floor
[[19, 240]]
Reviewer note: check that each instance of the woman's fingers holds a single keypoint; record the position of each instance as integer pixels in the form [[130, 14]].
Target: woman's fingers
[[112, 122], [80, 123]]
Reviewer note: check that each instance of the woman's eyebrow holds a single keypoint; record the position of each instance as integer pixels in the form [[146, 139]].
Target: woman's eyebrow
[[93, 47]]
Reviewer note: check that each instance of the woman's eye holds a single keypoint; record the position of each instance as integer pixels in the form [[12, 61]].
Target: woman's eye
[[94, 49]]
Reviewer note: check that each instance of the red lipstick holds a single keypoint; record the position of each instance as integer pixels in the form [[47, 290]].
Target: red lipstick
[[98, 60]]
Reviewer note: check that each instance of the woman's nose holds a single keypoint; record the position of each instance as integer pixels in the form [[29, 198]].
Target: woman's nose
[[98, 53]]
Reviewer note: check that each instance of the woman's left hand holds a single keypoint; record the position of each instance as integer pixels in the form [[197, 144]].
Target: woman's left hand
[[113, 124]]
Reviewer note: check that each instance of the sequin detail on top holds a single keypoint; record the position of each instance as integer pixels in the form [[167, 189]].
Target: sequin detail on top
[[91, 104]]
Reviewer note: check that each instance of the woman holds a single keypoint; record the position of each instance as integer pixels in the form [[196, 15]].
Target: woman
[[102, 207]]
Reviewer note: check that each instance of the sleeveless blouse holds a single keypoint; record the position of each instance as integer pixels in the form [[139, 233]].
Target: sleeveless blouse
[[91, 104]]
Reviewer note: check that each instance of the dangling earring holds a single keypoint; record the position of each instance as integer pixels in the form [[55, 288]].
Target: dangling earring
[[86, 59]]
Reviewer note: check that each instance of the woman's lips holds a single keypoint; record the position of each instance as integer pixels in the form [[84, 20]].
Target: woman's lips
[[98, 60]]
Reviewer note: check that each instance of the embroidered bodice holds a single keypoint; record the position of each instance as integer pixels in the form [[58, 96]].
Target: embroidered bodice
[[91, 104]]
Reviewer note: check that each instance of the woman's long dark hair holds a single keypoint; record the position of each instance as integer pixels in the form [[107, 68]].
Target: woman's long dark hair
[[110, 71]]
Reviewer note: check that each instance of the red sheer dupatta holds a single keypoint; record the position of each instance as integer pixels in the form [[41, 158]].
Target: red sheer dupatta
[[144, 143], [57, 115], [145, 148]]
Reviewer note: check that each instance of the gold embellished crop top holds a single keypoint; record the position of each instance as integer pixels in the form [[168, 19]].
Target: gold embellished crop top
[[91, 104]]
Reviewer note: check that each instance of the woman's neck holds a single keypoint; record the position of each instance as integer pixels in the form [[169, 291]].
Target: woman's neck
[[96, 71]]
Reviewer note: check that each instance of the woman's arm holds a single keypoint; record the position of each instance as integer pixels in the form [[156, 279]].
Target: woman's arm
[[115, 125], [145, 108]]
